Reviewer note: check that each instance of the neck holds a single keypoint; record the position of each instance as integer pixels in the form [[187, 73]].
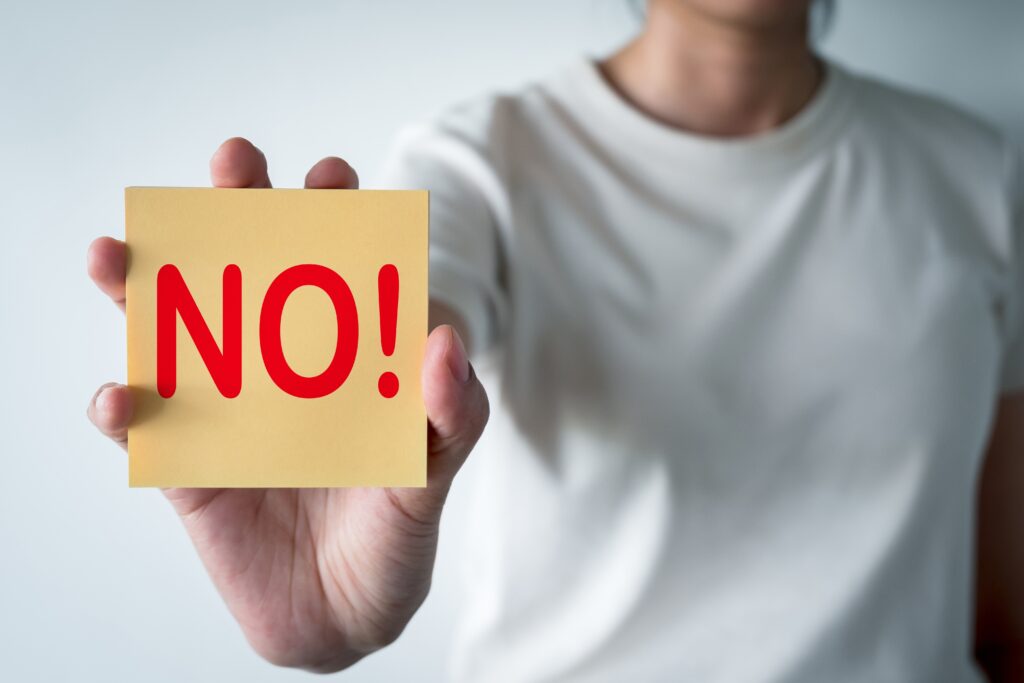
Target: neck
[[713, 76]]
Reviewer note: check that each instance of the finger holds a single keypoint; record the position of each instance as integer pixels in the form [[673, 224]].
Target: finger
[[457, 412], [456, 403], [239, 163], [332, 173], [111, 411], [105, 262]]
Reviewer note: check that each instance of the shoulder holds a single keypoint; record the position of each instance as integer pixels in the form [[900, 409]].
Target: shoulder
[[956, 157], [480, 122], [913, 121], [469, 153], [497, 127]]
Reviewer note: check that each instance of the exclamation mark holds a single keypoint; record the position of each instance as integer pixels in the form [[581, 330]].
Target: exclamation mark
[[387, 303]]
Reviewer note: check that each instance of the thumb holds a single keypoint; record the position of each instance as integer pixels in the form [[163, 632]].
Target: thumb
[[457, 412]]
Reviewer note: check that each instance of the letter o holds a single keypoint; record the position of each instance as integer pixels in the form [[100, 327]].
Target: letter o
[[270, 331]]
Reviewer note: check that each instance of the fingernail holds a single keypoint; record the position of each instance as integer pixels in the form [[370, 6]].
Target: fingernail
[[458, 361], [103, 400]]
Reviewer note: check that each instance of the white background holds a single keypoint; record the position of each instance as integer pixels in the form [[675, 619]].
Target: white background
[[98, 582]]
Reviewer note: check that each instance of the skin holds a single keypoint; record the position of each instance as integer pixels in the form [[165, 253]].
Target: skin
[[999, 624], [317, 578], [725, 68], [741, 67], [320, 578]]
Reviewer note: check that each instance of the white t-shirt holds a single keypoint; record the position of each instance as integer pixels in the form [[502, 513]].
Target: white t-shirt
[[740, 388]]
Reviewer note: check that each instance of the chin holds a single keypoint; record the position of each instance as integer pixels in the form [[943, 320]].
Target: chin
[[752, 13]]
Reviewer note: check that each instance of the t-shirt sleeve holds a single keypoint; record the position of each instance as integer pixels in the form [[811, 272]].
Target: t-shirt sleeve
[[465, 245], [1012, 379]]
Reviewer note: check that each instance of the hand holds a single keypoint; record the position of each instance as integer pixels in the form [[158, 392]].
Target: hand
[[317, 578]]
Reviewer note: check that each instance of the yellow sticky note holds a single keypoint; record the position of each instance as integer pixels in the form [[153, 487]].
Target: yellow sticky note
[[275, 337]]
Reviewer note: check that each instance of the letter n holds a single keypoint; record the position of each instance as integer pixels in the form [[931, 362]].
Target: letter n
[[173, 298]]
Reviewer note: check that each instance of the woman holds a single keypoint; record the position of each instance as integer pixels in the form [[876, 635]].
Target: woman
[[753, 322]]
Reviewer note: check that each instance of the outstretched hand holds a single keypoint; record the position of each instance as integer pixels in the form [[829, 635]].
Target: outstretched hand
[[317, 578]]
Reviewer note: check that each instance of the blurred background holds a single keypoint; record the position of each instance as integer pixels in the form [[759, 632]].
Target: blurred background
[[99, 582]]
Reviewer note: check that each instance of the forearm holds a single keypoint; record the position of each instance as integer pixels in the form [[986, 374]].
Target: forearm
[[1001, 662], [999, 593]]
